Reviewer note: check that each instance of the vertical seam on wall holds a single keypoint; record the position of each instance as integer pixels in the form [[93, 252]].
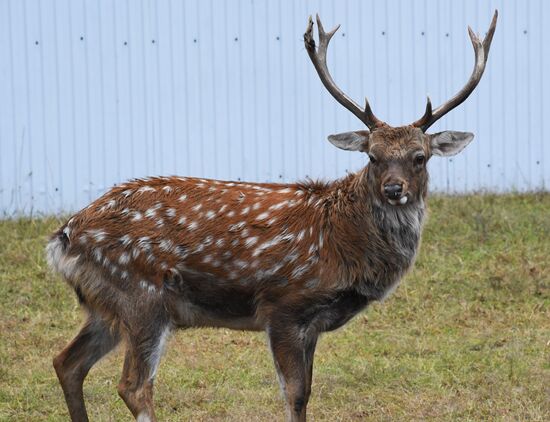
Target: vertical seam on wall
[[44, 137], [212, 57], [116, 93], [130, 91], [172, 86], [88, 128], [29, 130], [58, 109], [102, 94], [144, 63], [156, 47]]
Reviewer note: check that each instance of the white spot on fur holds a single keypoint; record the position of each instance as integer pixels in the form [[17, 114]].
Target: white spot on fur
[[237, 226], [300, 235], [182, 198], [127, 192], [231, 214], [137, 216], [266, 245], [98, 235], [167, 189], [299, 271], [241, 264], [245, 211], [171, 212], [220, 243], [144, 243], [210, 215], [166, 245], [197, 207], [98, 255], [262, 216], [182, 220], [193, 225], [181, 251], [279, 205], [256, 206], [285, 190], [222, 209], [251, 241], [146, 285], [124, 258], [146, 189]]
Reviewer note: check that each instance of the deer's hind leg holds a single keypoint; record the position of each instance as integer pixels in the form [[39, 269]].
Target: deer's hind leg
[[143, 353], [95, 340]]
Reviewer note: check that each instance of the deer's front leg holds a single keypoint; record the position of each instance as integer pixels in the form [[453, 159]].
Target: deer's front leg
[[293, 349]]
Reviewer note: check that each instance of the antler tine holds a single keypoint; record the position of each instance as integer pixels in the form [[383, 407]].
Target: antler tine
[[481, 51], [425, 119], [319, 59]]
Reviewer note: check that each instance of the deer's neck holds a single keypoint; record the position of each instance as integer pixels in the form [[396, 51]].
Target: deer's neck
[[373, 243]]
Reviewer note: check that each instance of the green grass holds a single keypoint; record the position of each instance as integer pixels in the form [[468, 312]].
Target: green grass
[[465, 337]]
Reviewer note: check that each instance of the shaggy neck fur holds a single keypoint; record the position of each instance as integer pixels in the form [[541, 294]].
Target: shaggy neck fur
[[372, 243]]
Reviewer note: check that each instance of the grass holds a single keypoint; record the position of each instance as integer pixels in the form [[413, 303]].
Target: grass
[[465, 337]]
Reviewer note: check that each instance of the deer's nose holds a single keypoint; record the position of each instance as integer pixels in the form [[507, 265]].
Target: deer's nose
[[393, 190]]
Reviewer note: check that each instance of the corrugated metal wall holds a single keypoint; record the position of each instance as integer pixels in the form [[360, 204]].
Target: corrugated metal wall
[[96, 92]]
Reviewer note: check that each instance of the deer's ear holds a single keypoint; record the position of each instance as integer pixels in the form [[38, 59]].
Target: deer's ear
[[351, 141], [449, 142]]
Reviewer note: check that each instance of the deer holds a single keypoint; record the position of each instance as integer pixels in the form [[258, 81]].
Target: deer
[[158, 254]]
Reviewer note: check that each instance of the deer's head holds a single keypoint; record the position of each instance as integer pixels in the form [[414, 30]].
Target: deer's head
[[398, 155]]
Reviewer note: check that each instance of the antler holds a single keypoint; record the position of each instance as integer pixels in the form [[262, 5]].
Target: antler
[[319, 60], [481, 50]]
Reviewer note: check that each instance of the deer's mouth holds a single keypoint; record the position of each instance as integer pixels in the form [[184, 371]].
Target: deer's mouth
[[401, 201]]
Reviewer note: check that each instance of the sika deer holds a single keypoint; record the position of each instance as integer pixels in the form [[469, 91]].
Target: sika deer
[[294, 260]]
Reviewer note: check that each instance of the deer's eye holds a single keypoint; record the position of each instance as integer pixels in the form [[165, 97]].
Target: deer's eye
[[419, 160], [372, 159]]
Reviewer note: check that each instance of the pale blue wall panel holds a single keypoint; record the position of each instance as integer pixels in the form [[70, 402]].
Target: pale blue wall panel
[[96, 92]]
